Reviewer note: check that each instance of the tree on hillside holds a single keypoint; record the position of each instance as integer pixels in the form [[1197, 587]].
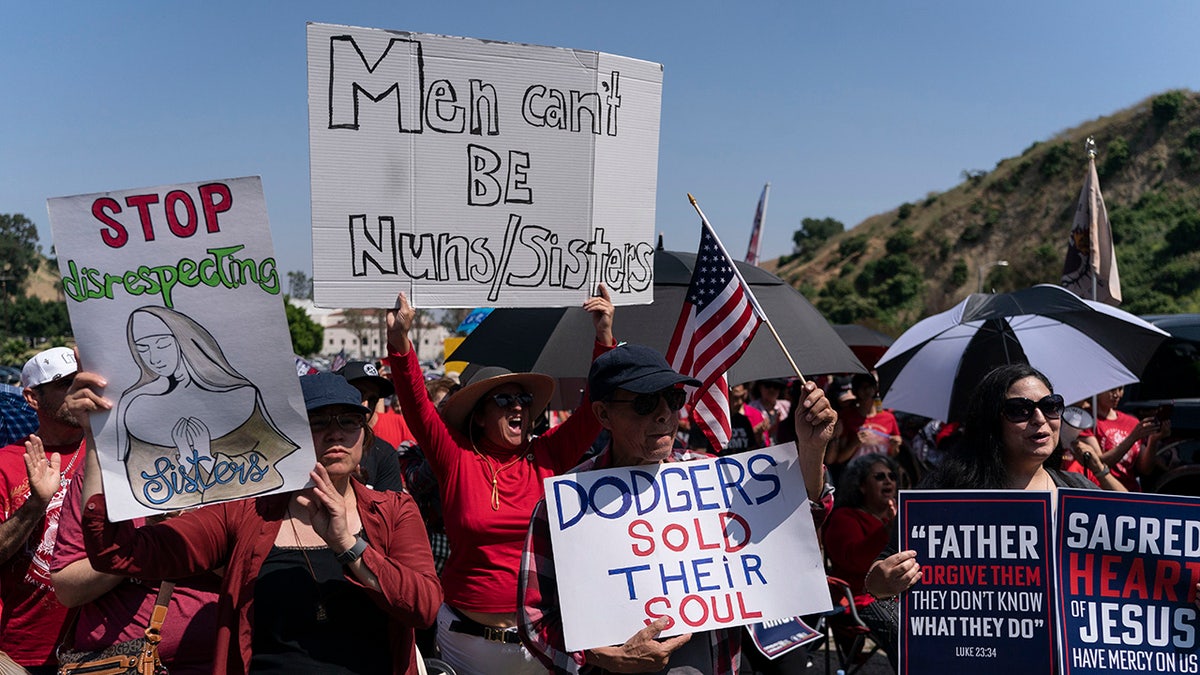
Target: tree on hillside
[[815, 231], [307, 335], [19, 252], [36, 320]]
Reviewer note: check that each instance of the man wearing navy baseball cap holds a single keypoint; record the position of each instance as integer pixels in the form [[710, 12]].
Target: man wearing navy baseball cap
[[636, 396]]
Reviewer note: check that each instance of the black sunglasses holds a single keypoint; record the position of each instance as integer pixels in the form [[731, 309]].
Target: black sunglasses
[[512, 400], [645, 404], [346, 421], [1017, 410], [884, 474]]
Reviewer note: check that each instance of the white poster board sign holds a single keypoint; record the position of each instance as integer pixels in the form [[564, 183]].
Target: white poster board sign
[[175, 300], [473, 173], [709, 543]]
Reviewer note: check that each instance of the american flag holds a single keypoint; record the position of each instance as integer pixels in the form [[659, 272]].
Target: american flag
[[718, 320]]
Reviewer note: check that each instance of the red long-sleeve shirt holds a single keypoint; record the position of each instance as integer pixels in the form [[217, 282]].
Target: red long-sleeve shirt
[[485, 544], [240, 534]]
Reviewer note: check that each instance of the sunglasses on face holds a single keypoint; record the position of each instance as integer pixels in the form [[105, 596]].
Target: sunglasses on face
[[512, 400], [1017, 410], [889, 475], [344, 421], [646, 404]]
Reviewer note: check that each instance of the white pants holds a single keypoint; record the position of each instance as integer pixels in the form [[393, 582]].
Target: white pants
[[473, 655]]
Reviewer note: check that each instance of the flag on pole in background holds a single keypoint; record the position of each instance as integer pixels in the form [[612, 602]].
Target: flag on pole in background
[[760, 214], [339, 361], [719, 318], [1090, 270]]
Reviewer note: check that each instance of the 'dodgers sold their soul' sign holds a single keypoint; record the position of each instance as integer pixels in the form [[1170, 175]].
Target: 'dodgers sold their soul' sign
[[707, 544]]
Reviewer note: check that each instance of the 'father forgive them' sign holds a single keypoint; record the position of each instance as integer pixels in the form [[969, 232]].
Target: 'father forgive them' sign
[[471, 173]]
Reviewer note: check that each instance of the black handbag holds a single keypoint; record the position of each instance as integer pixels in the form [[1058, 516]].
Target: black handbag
[[131, 657]]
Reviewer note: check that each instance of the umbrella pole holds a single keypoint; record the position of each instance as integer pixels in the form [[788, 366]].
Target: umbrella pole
[[750, 294]]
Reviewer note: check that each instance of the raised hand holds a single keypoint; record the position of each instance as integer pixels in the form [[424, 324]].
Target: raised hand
[[399, 322], [44, 472], [601, 308], [815, 419]]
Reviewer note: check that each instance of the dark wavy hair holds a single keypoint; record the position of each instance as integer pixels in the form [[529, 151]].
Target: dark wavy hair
[[848, 493], [977, 463]]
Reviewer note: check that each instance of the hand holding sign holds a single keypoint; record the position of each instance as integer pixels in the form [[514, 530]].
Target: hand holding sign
[[601, 308], [641, 653], [399, 321], [893, 575]]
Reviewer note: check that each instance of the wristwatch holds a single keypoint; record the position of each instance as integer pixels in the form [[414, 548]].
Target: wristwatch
[[350, 555]]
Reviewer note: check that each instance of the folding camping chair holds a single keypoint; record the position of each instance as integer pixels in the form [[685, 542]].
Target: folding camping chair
[[845, 632]]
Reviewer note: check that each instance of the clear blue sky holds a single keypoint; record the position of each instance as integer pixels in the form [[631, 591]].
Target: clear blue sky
[[847, 108]]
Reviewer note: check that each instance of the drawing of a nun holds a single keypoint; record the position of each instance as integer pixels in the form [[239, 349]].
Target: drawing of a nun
[[192, 429]]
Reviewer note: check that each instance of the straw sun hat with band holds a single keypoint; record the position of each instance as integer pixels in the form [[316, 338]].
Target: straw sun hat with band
[[457, 408]]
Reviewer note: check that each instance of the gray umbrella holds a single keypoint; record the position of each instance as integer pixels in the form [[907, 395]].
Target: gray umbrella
[[557, 341]]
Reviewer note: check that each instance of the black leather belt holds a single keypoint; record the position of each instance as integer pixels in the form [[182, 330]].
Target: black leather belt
[[468, 626]]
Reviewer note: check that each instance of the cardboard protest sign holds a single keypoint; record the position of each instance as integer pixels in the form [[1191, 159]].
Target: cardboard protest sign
[[174, 298], [708, 543], [478, 173], [983, 602], [1129, 564]]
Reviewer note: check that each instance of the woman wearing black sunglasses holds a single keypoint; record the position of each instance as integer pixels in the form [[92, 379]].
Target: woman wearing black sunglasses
[[489, 471], [1012, 423]]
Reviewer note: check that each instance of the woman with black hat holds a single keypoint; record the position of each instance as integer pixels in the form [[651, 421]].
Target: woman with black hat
[[490, 472]]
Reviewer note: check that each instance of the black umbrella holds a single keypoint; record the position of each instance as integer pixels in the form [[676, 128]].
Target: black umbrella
[[557, 341], [1083, 347], [867, 344]]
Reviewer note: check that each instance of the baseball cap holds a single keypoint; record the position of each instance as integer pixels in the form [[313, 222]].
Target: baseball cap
[[325, 389], [635, 368], [365, 370], [52, 364]]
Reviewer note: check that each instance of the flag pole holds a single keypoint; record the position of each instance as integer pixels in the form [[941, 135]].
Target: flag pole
[[1090, 145], [749, 293]]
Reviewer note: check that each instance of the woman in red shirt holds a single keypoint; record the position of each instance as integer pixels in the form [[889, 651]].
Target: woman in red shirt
[[489, 472], [858, 529], [333, 578]]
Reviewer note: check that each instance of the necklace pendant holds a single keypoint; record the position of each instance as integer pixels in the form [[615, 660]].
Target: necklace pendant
[[322, 617]]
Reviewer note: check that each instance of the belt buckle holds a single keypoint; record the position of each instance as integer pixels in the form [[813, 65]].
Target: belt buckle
[[494, 634]]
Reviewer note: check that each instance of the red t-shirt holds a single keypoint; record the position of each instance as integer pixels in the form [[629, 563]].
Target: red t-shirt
[[485, 543], [882, 425], [30, 614], [391, 427], [853, 540], [1112, 434], [124, 612]]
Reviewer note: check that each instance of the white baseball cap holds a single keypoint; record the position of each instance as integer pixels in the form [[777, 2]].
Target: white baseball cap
[[47, 366]]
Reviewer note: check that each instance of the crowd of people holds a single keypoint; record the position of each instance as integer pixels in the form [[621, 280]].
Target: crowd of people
[[424, 531]]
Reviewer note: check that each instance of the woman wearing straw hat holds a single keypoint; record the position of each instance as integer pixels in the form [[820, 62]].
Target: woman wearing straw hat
[[490, 472]]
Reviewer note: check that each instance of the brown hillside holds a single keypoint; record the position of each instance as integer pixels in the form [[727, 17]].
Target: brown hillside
[[1021, 211]]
